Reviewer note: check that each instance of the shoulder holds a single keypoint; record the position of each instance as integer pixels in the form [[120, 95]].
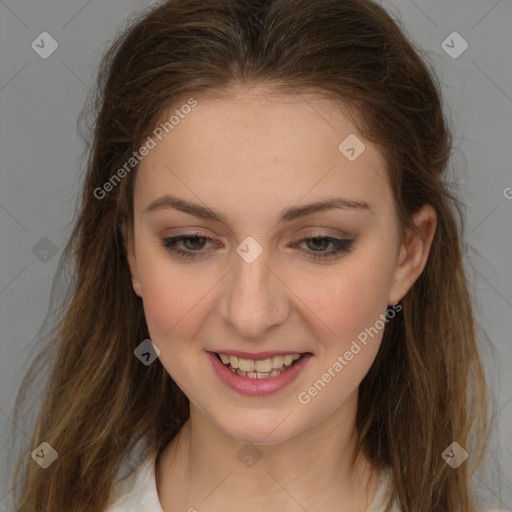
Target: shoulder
[[137, 492], [382, 493]]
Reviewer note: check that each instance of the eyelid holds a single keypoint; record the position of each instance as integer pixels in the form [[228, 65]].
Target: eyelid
[[314, 232]]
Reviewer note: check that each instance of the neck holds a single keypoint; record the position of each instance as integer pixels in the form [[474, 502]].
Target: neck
[[203, 468]]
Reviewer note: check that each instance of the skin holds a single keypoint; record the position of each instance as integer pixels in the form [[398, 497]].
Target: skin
[[249, 155]]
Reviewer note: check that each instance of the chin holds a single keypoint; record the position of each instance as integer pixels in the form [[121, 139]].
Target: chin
[[259, 430]]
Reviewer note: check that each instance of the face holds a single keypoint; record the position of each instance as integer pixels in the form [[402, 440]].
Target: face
[[229, 258]]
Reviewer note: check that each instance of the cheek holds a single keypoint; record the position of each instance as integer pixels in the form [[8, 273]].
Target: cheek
[[351, 305], [346, 300], [172, 295], [174, 308]]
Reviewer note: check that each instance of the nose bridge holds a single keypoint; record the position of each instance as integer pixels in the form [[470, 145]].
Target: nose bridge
[[252, 299]]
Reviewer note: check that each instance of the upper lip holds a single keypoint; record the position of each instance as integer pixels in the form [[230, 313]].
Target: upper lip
[[257, 355]]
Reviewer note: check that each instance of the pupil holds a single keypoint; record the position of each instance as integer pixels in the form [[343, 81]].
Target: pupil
[[323, 242], [194, 240]]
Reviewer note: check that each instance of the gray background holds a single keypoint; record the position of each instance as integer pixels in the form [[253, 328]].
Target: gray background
[[40, 151]]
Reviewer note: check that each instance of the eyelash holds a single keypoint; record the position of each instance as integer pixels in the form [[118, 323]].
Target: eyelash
[[343, 246]]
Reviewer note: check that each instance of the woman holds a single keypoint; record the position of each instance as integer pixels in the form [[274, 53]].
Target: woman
[[270, 299]]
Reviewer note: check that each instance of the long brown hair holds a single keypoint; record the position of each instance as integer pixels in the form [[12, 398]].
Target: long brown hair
[[426, 387]]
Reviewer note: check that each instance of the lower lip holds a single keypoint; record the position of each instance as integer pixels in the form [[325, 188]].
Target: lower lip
[[257, 387]]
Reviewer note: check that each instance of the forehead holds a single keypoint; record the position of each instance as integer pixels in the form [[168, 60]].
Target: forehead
[[255, 146]]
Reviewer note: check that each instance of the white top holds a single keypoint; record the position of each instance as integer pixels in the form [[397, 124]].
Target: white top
[[137, 492]]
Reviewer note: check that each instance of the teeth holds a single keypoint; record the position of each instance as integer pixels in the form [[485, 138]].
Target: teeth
[[258, 375], [288, 360], [277, 361], [246, 365], [259, 365], [261, 368], [263, 365]]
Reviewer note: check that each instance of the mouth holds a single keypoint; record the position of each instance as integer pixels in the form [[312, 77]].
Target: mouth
[[262, 368], [259, 374]]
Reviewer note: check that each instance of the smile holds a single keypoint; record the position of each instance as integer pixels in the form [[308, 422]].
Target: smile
[[258, 376], [259, 368]]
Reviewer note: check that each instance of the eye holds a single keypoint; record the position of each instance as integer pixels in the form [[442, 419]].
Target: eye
[[341, 246], [194, 244]]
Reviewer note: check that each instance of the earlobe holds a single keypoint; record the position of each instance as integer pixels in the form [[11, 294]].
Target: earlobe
[[130, 257], [413, 254]]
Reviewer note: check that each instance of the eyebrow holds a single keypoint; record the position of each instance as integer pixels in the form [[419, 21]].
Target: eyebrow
[[286, 215]]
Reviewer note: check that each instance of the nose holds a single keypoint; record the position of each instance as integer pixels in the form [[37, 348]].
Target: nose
[[254, 298]]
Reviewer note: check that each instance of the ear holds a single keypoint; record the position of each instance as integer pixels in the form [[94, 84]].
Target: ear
[[130, 257], [413, 254]]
